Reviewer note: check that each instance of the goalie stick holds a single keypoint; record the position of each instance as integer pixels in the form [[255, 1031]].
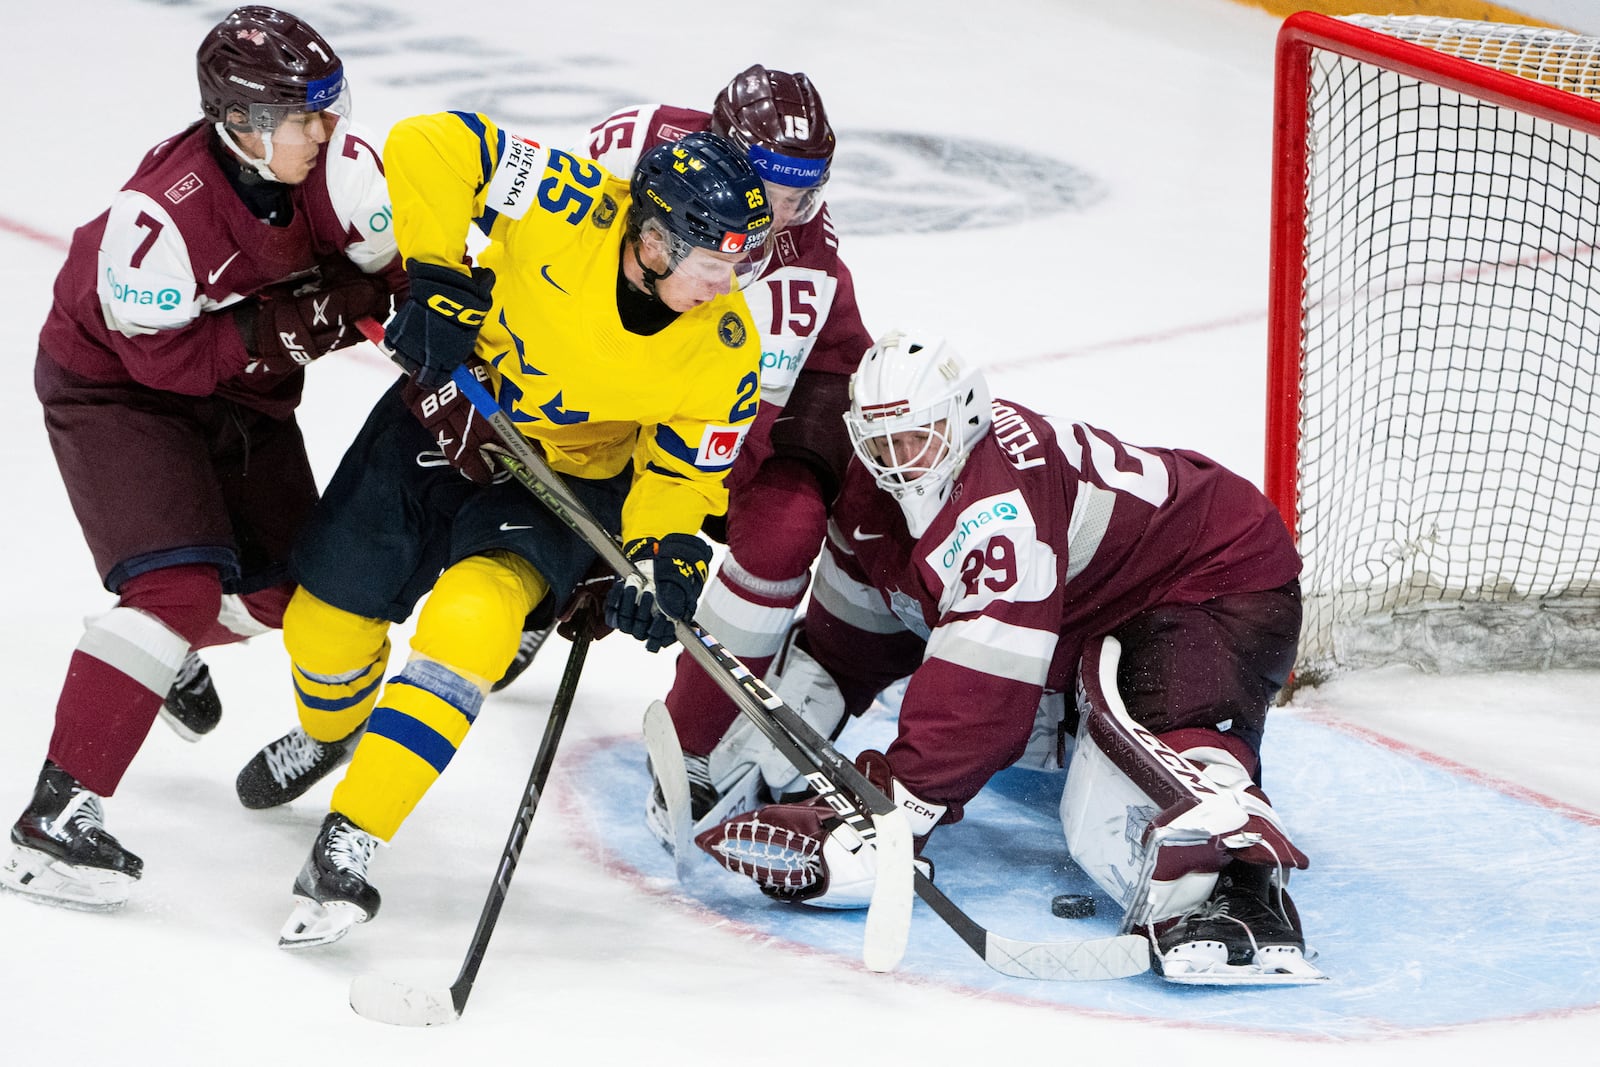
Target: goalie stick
[[889, 914], [388, 1000]]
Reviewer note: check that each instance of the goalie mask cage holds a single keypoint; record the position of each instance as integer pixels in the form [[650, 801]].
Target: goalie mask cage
[[1434, 332]]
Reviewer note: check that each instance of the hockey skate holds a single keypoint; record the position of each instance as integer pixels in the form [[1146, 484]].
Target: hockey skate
[[192, 707], [331, 891], [1247, 933], [62, 854], [527, 647], [289, 766], [683, 799]]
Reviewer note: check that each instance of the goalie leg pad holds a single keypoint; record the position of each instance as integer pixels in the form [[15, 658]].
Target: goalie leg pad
[[811, 691], [1139, 819]]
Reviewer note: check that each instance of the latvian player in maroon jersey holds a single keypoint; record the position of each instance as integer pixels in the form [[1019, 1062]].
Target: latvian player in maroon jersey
[[169, 369], [1003, 560]]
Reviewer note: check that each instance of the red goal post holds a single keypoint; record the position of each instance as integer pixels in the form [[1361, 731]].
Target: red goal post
[[1433, 436]]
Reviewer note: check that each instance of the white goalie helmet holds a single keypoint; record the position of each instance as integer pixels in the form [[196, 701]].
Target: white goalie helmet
[[917, 408]]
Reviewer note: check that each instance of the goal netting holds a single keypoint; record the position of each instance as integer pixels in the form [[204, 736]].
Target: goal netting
[[1435, 329]]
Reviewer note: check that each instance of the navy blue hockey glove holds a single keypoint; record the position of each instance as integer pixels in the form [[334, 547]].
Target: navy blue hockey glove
[[676, 566], [436, 329], [464, 438]]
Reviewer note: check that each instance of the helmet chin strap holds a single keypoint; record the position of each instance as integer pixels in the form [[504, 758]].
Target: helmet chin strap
[[650, 276], [261, 166]]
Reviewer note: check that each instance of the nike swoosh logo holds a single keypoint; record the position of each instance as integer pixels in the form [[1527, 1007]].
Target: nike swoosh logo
[[509, 526], [544, 272], [211, 279], [859, 536]]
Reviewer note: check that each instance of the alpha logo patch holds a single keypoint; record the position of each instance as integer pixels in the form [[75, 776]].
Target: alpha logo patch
[[732, 330]]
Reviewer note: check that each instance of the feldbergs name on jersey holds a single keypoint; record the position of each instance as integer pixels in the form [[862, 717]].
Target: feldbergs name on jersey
[[992, 553], [1016, 437]]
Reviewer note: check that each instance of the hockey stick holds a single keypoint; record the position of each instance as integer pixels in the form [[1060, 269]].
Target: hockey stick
[[1113, 957], [388, 1000], [888, 916]]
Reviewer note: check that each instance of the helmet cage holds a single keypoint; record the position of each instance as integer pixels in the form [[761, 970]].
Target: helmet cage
[[909, 386]]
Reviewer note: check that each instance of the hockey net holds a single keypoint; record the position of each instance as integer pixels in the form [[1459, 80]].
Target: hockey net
[[1435, 335]]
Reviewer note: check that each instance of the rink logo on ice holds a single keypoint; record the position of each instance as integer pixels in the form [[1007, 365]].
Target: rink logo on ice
[[183, 188]]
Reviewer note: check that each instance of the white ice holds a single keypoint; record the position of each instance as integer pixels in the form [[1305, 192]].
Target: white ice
[[1143, 311]]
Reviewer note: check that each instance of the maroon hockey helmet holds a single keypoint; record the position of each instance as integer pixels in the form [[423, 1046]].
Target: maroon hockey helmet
[[778, 118], [259, 64]]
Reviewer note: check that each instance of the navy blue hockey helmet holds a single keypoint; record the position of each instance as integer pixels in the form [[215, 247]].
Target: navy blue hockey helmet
[[704, 192]]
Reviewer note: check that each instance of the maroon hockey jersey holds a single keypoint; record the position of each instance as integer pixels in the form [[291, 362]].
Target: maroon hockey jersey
[[131, 301], [1055, 532]]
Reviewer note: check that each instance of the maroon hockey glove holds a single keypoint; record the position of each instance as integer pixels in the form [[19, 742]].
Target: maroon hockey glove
[[806, 853], [465, 439], [286, 326], [676, 568], [585, 609]]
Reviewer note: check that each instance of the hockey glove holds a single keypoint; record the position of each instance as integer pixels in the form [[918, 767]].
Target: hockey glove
[[465, 438], [805, 853], [676, 567], [436, 329], [286, 326]]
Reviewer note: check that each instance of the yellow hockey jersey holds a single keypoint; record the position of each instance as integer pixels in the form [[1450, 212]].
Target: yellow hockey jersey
[[588, 391]]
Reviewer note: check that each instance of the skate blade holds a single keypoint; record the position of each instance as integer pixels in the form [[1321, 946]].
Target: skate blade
[[312, 924], [179, 728], [46, 880], [1278, 965]]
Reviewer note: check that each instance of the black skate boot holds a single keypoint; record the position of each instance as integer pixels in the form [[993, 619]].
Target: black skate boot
[[1248, 931], [289, 766], [527, 648], [192, 707], [702, 798], [331, 890], [62, 852]]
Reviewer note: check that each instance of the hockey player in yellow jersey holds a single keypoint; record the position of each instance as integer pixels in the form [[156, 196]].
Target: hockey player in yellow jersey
[[606, 318]]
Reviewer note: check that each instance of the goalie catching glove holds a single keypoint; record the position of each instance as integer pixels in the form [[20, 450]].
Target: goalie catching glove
[[464, 437], [806, 853], [436, 329], [675, 568], [286, 326]]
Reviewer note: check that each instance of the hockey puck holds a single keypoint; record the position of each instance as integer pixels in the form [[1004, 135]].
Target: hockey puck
[[1072, 906]]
